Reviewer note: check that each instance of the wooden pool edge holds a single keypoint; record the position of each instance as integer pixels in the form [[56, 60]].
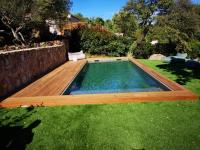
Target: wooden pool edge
[[98, 99], [172, 85], [179, 93]]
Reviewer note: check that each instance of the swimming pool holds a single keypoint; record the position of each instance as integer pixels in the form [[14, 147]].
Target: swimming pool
[[52, 89], [113, 77]]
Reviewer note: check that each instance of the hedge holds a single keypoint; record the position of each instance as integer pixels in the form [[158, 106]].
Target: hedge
[[99, 43]]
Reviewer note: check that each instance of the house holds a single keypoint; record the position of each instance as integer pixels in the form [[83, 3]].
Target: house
[[71, 23], [73, 19]]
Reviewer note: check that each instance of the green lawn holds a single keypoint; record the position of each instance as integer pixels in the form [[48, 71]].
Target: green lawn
[[160, 126], [190, 78]]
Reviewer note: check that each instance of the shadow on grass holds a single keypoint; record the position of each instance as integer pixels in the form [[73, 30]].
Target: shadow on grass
[[182, 72], [13, 133]]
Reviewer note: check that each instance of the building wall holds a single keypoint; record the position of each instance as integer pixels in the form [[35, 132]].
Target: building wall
[[18, 68]]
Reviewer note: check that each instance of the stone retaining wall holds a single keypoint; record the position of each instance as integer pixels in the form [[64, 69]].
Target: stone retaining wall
[[18, 68]]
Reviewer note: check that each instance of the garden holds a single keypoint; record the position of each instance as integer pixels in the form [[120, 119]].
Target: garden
[[174, 25], [162, 125]]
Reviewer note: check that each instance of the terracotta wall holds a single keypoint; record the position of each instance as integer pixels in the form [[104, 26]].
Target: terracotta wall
[[18, 68]]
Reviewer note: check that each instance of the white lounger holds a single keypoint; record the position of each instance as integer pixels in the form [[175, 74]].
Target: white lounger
[[76, 56]]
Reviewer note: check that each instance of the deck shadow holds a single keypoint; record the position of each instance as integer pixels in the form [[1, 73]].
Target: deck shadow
[[14, 135]]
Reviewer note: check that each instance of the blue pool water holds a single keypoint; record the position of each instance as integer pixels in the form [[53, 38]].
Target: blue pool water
[[113, 77]]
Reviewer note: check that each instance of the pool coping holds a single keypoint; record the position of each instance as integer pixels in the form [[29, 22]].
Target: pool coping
[[179, 92]]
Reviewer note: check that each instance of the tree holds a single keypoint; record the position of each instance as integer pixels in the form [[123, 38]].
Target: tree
[[51, 9], [196, 8], [96, 21], [197, 11], [180, 26], [182, 17], [176, 40], [109, 25], [81, 17], [125, 22], [16, 15], [99, 21], [146, 11]]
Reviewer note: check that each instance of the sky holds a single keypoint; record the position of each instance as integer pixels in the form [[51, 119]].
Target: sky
[[100, 8], [97, 8]]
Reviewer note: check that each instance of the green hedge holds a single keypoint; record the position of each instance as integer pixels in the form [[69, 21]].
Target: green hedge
[[144, 50], [99, 43], [104, 43]]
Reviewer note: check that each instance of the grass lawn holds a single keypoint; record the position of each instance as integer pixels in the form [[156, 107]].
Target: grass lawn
[[160, 126]]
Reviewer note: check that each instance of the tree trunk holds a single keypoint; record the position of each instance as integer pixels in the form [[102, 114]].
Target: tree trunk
[[16, 33], [22, 37], [143, 36], [17, 37]]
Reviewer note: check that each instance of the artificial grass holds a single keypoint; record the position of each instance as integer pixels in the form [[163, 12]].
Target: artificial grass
[[188, 77], [163, 125]]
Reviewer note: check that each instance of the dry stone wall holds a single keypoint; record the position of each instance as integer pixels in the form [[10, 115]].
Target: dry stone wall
[[18, 68]]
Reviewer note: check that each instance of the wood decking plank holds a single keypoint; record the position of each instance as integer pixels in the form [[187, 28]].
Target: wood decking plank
[[98, 99], [54, 82]]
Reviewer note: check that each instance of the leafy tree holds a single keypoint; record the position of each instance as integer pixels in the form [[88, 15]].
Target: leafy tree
[[17, 15], [96, 21], [146, 11], [170, 36], [109, 25], [182, 17], [99, 21], [179, 26], [196, 8], [81, 17], [51, 9], [125, 22]]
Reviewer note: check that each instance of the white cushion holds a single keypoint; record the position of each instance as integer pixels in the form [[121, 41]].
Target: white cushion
[[74, 59], [77, 55]]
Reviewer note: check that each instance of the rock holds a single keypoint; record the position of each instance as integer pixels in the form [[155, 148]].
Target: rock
[[157, 57]]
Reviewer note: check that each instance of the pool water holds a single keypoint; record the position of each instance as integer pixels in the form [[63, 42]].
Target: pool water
[[113, 77]]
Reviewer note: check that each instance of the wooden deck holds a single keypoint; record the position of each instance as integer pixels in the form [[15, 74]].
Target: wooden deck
[[46, 91], [53, 83]]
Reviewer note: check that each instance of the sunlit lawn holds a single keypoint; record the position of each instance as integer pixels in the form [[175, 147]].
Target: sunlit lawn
[[163, 125]]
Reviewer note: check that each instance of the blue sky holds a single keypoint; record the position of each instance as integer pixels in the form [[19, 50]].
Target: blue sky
[[100, 8], [97, 8]]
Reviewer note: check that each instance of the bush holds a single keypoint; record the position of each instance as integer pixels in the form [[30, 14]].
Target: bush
[[142, 50], [74, 41], [166, 49], [99, 43], [145, 49], [195, 52]]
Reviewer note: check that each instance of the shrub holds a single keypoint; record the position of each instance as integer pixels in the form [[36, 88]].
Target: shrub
[[142, 50], [145, 49], [166, 49], [74, 41], [195, 52], [99, 43]]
